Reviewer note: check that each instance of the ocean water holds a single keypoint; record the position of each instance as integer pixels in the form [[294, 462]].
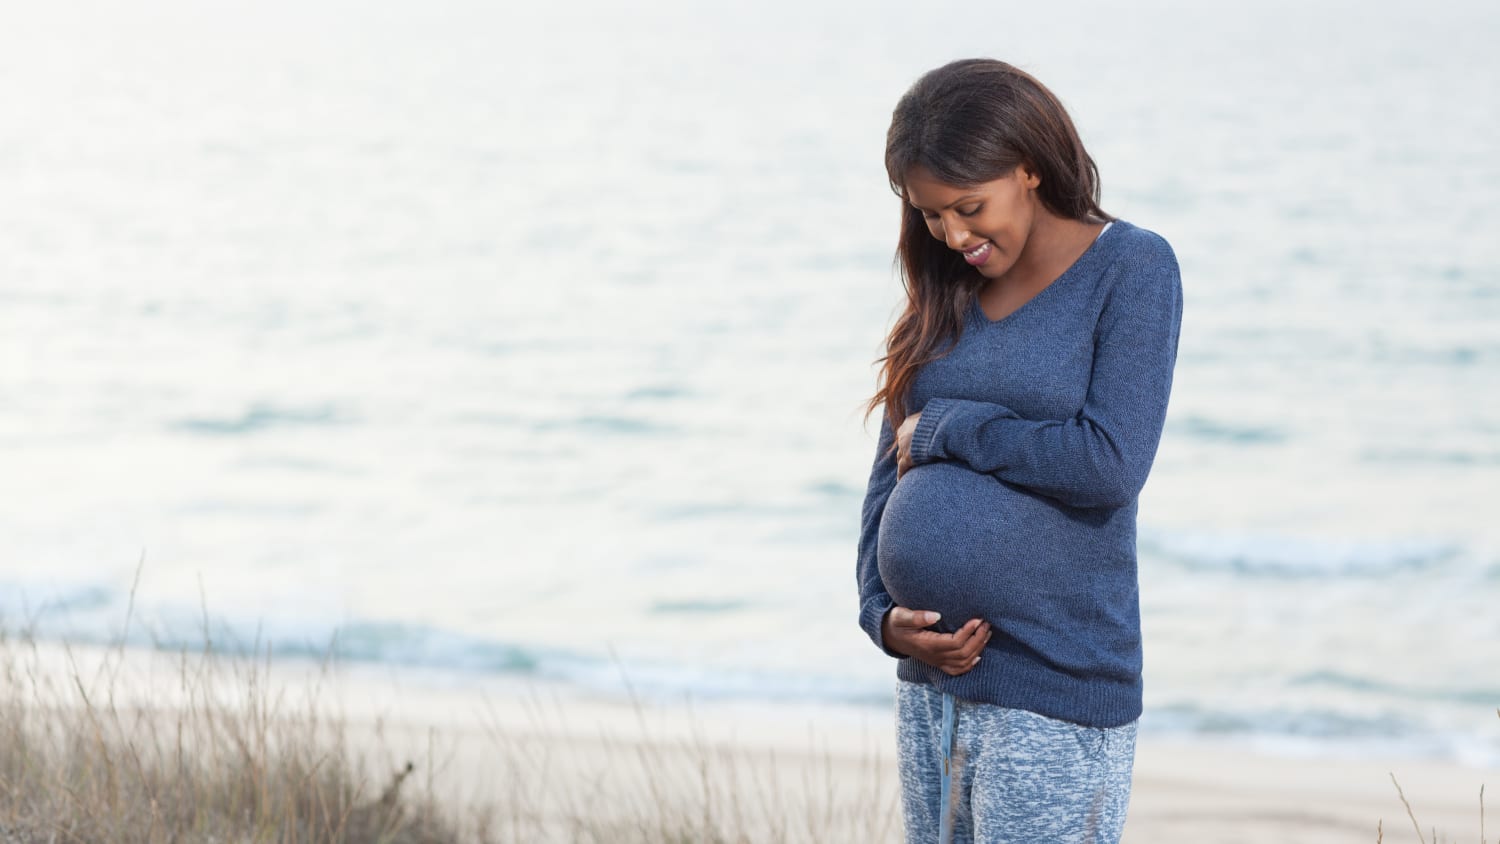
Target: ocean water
[[509, 338]]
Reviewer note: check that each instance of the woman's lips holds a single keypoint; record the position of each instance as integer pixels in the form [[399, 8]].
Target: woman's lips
[[979, 254]]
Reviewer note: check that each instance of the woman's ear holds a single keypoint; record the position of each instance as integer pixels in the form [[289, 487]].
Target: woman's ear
[[1029, 177]]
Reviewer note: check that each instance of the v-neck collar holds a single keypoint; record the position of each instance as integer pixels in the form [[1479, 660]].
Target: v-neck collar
[[1095, 250]]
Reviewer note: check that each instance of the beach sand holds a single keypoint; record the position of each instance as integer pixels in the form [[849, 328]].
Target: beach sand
[[554, 763]]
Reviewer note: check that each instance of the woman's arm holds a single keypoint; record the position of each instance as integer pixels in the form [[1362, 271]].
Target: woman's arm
[[874, 601], [1099, 458]]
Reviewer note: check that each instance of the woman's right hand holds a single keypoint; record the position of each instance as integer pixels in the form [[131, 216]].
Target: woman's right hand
[[905, 632], [903, 443]]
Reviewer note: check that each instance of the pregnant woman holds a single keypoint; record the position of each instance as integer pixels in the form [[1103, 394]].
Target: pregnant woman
[[1024, 391]]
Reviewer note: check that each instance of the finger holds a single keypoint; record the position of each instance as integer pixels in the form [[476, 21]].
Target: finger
[[938, 646], [975, 646], [968, 656], [964, 634], [980, 638], [957, 668], [944, 646], [961, 666], [904, 617], [971, 628]]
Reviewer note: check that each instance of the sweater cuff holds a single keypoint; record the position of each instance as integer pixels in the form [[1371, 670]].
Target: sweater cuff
[[872, 619], [923, 439]]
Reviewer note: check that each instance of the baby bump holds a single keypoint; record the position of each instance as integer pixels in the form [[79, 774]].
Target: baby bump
[[963, 543]]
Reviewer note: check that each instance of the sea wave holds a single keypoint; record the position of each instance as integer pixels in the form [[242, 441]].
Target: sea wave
[[261, 416], [1317, 732], [95, 613], [1289, 556], [99, 614]]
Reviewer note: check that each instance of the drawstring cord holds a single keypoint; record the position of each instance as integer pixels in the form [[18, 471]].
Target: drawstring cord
[[945, 819]]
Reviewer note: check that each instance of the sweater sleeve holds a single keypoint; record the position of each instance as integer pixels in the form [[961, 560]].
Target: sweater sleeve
[[874, 601], [1100, 457]]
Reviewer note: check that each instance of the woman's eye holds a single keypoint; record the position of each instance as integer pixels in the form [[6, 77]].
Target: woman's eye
[[970, 211]]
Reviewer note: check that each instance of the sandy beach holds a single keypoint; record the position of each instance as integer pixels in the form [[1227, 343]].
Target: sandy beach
[[551, 763]]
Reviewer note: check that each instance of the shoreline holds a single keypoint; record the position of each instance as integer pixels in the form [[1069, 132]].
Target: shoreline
[[569, 754]]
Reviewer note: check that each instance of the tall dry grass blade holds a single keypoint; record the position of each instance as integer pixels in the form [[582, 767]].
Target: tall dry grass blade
[[1409, 812], [125, 630], [208, 639], [647, 750], [701, 747]]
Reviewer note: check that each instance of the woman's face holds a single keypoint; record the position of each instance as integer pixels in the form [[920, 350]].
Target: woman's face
[[989, 223]]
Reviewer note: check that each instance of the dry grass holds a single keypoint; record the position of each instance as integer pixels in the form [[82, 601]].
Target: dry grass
[[78, 765], [215, 753], [1416, 825]]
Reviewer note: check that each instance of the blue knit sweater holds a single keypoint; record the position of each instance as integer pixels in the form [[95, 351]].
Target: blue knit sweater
[[1036, 436]]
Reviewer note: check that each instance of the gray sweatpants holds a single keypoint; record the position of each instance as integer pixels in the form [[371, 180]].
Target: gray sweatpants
[[1016, 777]]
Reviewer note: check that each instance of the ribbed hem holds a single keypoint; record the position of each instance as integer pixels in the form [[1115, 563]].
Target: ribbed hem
[[1013, 679], [926, 431], [872, 619]]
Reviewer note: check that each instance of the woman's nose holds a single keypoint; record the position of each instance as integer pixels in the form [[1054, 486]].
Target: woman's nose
[[956, 236]]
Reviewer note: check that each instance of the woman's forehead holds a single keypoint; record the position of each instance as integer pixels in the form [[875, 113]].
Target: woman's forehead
[[925, 190]]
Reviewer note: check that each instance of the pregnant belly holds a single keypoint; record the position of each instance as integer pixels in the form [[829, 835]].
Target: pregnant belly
[[966, 545]]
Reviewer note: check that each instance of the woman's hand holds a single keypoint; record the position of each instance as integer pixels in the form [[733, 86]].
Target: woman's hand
[[903, 443], [954, 653]]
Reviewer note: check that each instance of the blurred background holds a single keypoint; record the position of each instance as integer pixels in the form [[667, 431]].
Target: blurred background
[[532, 339]]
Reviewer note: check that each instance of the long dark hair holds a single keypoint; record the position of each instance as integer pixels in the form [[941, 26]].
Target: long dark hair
[[968, 122]]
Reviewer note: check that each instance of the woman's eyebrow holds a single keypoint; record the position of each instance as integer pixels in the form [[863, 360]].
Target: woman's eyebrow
[[964, 198]]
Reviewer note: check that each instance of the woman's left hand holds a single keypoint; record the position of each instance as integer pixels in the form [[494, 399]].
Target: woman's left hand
[[903, 443]]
